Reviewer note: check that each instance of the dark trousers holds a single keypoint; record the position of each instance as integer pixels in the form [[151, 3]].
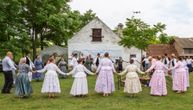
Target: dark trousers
[[8, 81]]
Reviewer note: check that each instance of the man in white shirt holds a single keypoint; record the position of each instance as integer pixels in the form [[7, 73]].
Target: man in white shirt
[[97, 60], [173, 63], [189, 63], [146, 63], [8, 69], [74, 61], [166, 60]]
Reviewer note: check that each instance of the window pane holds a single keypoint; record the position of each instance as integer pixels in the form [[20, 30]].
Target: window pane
[[188, 50], [96, 34]]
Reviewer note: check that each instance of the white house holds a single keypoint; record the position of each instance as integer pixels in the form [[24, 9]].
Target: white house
[[97, 37]]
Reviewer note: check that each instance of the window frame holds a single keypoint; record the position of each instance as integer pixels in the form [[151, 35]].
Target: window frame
[[98, 37], [188, 50]]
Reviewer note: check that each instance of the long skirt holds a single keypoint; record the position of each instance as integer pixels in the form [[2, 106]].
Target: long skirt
[[37, 76], [79, 86], [132, 85], [158, 83], [30, 76], [105, 82], [63, 69], [22, 85], [180, 80], [188, 78], [51, 83]]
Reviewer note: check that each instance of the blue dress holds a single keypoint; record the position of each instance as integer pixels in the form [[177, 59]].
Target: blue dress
[[38, 66], [22, 84], [63, 67]]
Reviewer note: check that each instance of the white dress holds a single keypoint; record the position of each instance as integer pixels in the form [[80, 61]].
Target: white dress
[[172, 64], [74, 62], [51, 82], [132, 82], [187, 73], [79, 86]]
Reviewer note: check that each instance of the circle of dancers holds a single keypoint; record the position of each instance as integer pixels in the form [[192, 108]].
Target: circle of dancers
[[156, 68]]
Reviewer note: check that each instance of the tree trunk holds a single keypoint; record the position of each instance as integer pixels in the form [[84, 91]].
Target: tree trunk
[[41, 42], [34, 38], [141, 66]]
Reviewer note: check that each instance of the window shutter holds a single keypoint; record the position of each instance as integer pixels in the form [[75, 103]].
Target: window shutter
[[96, 35]]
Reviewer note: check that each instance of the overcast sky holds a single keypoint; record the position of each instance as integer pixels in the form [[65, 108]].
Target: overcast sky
[[176, 14]]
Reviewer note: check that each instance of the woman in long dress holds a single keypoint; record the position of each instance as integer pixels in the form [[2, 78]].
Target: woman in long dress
[[38, 66], [22, 84], [88, 62], [105, 80], [63, 67], [51, 83], [180, 77], [132, 82], [158, 81], [80, 85]]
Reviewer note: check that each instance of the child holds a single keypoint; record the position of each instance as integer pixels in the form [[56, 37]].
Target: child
[[80, 86], [51, 83], [132, 82]]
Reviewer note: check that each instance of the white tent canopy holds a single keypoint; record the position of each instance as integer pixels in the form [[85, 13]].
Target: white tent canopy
[[60, 51]]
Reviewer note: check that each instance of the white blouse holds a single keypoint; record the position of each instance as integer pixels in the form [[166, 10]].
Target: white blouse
[[79, 71], [73, 62], [131, 71], [51, 67]]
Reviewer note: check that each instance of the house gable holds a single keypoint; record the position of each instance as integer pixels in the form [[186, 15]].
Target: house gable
[[85, 34]]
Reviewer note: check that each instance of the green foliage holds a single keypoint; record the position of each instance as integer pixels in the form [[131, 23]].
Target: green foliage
[[139, 34], [164, 38], [37, 22]]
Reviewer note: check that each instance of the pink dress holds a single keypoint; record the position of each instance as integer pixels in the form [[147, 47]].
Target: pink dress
[[180, 77], [105, 79], [158, 81]]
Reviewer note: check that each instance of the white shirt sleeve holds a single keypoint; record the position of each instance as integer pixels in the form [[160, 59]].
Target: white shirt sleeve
[[11, 64]]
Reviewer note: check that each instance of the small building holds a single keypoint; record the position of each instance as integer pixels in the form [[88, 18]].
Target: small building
[[58, 50], [183, 46], [179, 46], [160, 49], [97, 37]]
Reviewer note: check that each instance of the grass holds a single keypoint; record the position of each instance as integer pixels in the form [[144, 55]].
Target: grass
[[118, 101]]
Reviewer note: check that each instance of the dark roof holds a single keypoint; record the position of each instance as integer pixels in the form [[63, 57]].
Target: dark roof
[[161, 49], [184, 42]]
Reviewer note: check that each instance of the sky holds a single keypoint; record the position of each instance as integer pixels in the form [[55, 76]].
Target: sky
[[176, 14]]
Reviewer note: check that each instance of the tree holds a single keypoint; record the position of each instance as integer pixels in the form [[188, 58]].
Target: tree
[[26, 24], [163, 37], [37, 13], [11, 28], [53, 21], [137, 34]]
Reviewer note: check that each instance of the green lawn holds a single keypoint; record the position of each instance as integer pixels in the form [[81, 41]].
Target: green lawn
[[118, 101]]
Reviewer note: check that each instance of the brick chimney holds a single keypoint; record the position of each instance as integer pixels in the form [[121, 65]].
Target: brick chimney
[[120, 30]]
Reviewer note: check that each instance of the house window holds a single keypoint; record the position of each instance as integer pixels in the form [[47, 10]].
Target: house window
[[96, 35], [188, 50], [133, 56]]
